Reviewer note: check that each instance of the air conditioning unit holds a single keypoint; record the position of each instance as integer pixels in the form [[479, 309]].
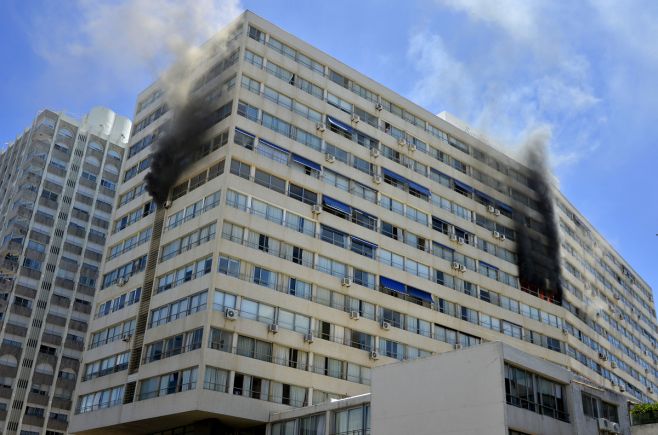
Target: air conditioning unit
[[650, 389], [316, 209], [346, 281], [374, 355], [614, 427], [385, 325], [617, 296], [354, 315], [622, 388], [379, 107], [412, 147], [329, 157], [453, 237], [122, 281], [377, 179], [503, 238], [308, 337], [462, 268], [604, 424], [320, 127], [374, 152], [457, 346], [126, 337], [602, 356], [355, 118], [496, 234], [599, 313], [230, 314], [167, 203], [490, 208], [455, 265], [613, 365], [461, 240], [273, 328], [620, 315], [564, 331], [402, 142], [497, 212]]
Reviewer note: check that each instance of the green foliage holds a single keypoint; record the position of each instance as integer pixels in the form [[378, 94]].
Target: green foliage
[[645, 413]]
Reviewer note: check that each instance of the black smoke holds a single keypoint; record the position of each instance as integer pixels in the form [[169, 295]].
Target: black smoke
[[538, 242], [176, 146]]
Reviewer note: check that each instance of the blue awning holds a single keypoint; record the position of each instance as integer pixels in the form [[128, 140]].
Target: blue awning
[[422, 189], [392, 285], [393, 175], [341, 125], [461, 185], [245, 132], [503, 206], [489, 265], [336, 205], [271, 145], [363, 242], [483, 195], [407, 182], [306, 162], [361, 212], [420, 294]]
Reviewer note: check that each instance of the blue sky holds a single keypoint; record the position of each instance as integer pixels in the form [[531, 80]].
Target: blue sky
[[585, 71]]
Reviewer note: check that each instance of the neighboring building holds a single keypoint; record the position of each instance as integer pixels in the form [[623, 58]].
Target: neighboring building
[[57, 185], [327, 227], [491, 389]]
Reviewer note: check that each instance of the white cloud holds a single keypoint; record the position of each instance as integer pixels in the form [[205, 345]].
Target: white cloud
[[526, 78], [518, 18], [124, 39]]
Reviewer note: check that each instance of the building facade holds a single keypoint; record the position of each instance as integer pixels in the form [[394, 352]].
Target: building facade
[[488, 389], [57, 185], [326, 227]]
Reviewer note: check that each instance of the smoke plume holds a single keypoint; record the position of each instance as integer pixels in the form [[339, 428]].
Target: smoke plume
[[538, 242]]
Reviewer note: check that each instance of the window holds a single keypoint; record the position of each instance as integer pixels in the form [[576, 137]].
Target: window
[[535, 393], [170, 383], [590, 407], [240, 169], [301, 194]]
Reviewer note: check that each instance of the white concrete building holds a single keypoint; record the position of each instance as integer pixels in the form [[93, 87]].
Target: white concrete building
[[57, 185], [329, 226], [487, 389]]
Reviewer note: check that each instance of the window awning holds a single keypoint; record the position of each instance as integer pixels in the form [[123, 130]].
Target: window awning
[[393, 175], [422, 189], [306, 162], [245, 132], [488, 265], [363, 242], [336, 205], [407, 182], [419, 294], [363, 213], [271, 145], [484, 196], [503, 206], [392, 285], [463, 186], [341, 125]]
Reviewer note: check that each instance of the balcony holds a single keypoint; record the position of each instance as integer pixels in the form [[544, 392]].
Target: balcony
[[56, 424], [9, 264], [37, 398]]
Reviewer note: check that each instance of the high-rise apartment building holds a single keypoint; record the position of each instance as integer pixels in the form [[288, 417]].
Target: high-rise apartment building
[[327, 226], [57, 185]]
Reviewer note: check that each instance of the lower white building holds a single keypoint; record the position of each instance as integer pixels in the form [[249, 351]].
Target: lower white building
[[491, 389]]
